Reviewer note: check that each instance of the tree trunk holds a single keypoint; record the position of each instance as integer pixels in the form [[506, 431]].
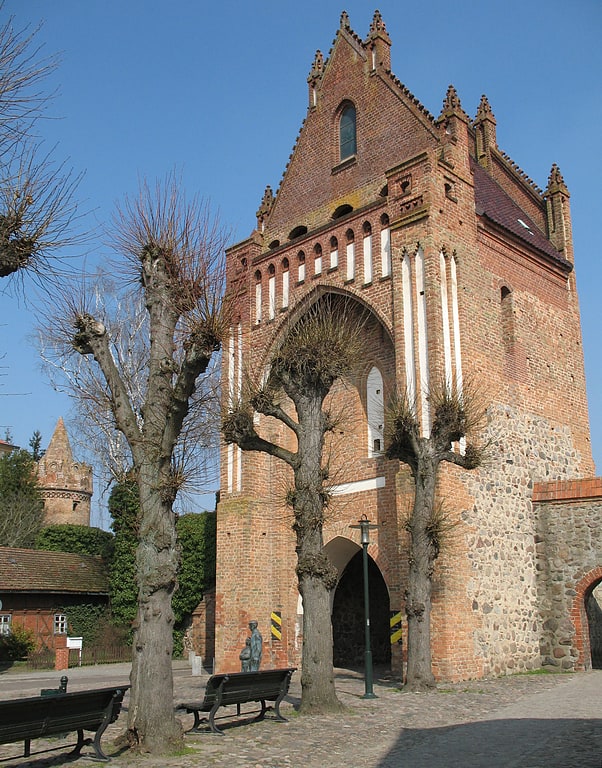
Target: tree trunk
[[422, 557], [317, 674], [152, 725], [317, 576]]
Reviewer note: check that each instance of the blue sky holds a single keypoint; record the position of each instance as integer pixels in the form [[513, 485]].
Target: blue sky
[[218, 91]]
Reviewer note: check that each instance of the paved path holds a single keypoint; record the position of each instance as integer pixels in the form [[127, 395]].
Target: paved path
[[524, 721]]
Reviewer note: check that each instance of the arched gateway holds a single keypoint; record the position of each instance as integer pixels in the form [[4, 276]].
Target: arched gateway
[[348, 612]]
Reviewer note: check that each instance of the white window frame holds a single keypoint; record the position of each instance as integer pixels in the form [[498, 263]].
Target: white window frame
[[5, 623], [60, 626]]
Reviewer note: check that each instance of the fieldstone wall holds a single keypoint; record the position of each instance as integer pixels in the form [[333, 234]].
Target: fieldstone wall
[[569, 567], [505, 591]]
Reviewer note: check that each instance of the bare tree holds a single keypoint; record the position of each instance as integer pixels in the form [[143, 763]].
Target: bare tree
[[323, 345], [37, 206], [95, 431], [457, 413], [170, 251]]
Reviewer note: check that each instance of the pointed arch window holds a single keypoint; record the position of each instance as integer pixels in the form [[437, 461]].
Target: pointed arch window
[[347, 132], [350, 252], [257, 297], [317, 259], [301, 265], [375, 407], [285, 282], [271, 292], [334, 253], [385, 246], [367, 247]]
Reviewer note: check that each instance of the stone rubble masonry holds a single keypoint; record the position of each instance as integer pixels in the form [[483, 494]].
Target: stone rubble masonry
[[568, 544], [453, 202]]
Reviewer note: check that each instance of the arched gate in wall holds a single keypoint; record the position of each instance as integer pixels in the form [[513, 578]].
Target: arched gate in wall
[[348, 625]]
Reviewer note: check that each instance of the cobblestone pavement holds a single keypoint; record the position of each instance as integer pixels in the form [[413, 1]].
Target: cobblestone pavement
[[523, 721]]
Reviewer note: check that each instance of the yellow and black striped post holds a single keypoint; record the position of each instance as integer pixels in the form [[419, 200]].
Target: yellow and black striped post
[[395, 627], [276, 625]]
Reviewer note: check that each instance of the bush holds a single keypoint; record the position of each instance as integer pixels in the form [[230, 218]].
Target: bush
[[17, 644], [81, 539], [87, 620]]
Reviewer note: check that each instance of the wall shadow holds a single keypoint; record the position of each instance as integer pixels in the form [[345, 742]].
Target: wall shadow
[[510, 743]]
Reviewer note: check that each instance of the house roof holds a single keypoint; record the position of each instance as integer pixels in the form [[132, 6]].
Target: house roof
[[494, 203], [29, 570]]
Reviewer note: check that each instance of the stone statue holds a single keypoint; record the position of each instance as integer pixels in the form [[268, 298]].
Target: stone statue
[[256, 642], [245, 656]]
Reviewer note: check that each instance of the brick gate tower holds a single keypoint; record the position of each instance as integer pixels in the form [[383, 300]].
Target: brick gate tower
[[466, 267]]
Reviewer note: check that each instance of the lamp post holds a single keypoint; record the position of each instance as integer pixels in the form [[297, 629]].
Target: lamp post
[[365, 525]]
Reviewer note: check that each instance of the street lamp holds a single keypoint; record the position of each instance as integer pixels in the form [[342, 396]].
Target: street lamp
[[365, 525]]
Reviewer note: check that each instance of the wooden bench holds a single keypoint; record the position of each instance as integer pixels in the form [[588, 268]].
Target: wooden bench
[[240, 688], [50, 715]]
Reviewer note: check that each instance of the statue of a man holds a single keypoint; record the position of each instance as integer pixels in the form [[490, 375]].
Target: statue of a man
[[256, 647]]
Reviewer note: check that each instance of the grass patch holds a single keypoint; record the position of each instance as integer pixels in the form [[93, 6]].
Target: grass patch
[[538, 671], [182, 751]]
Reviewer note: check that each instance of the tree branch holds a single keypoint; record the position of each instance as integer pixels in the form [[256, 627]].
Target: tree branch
[[238, 428], [91, 338]]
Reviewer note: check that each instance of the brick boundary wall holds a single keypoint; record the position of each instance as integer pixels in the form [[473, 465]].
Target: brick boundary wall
[[568, 490]]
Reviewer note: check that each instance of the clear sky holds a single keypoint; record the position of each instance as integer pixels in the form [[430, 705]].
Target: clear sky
[[218, 91]]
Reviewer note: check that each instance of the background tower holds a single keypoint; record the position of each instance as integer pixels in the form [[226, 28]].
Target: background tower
[[66, 484]]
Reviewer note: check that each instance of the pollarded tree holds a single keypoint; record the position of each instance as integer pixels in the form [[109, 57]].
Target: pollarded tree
[[455, 416], [172, 252], [322, 346], [96, 435], [36, 196]]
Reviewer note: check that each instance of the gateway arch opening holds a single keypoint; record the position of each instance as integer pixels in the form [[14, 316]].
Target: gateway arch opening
[[348, 615]]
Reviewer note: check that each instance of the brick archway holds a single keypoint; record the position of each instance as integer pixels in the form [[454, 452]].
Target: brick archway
[[348, 615], [579, 617]]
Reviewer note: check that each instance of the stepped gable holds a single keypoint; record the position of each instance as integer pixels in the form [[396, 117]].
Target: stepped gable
[[393, 117], [494, 203], [29, 570], [66, 484]]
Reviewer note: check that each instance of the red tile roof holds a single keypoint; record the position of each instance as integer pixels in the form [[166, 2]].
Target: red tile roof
[[495, 204], [29, 570]]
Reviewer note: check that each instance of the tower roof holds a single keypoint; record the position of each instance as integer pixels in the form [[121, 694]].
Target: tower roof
[[59, 447]]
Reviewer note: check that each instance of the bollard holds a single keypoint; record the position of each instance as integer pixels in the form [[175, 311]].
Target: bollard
[[197, 666]]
